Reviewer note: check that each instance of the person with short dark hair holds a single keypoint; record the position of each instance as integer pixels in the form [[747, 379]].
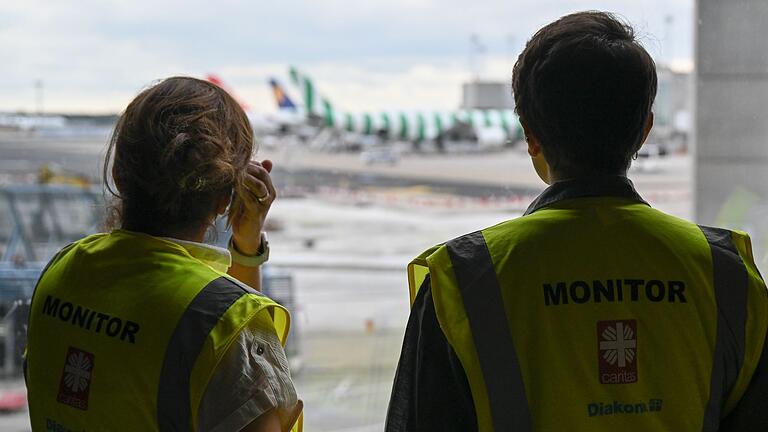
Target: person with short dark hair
[[592, 311], [146, 327]]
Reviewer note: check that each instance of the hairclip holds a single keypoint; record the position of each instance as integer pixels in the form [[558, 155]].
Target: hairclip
[[199, 184]]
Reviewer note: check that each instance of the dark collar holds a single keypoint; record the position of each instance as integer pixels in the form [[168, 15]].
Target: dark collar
[[609, 186]]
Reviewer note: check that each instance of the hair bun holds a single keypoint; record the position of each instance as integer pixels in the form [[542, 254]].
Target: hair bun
[[184, 162]]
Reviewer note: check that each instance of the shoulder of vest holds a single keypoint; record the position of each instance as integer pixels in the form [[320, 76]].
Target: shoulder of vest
[[734, 241], [52, 261], [238, 285], [463, 239], [421, 259], [257, 300], [719, 237], [737, 246], [72, 246], [246, 289], [86, 239], [741, 241], [518, 223], [58, 255], [427, 253]]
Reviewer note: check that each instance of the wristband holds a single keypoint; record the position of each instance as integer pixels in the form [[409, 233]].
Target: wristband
[[250, 260]]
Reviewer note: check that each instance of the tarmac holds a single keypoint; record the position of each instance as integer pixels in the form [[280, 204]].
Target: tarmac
[[664, 182]]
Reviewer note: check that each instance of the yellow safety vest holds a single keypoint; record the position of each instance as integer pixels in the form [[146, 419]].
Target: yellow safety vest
[[594, 312], [126, 330]]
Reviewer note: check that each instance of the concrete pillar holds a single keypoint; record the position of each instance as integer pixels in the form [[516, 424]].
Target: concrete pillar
[[731, 114]]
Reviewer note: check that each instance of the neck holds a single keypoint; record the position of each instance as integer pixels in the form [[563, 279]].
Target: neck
[[193, 235], [555, 177], [188, 235]]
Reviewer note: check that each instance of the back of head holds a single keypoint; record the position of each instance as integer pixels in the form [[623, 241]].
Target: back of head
[[180, 148], [584, 87]]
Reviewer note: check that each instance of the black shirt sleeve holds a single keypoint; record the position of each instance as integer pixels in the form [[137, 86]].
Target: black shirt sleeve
[[751, 413], [430, 392]]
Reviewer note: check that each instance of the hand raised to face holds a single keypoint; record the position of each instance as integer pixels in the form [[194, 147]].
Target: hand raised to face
[[256, 202]]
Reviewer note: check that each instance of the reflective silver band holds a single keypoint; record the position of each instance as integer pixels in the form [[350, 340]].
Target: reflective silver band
[[192, 330], [488, 322], [730, 284]]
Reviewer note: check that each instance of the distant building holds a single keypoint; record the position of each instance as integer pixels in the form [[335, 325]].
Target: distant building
[[674, 104], [487, 95]]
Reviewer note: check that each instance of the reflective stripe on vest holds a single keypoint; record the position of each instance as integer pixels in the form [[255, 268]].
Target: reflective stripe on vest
[[481, 294], [730, 284], [173, 394]]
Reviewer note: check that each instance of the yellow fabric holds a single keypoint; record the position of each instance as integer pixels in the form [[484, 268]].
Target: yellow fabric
[[601, 239], [299, 426], [138, 278], [418, 270]]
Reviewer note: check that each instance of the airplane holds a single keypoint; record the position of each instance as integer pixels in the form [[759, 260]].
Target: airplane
[[282, 99], [489, 128], [286, 119]]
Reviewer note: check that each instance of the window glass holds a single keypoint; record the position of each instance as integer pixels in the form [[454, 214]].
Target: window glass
[[391, 128]]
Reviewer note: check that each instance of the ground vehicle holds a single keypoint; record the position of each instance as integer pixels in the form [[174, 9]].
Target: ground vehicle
[[380, 156]]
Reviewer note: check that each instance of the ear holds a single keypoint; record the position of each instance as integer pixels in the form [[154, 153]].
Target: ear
[[647, 129], [534, 148], [537, 156]]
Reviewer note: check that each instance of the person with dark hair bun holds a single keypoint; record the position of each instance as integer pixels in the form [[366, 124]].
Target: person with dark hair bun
[[593, 311], [146, 327]]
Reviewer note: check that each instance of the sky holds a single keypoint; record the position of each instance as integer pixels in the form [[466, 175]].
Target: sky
[[93, 56]]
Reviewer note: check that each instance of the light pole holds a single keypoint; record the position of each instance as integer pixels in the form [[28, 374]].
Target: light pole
[[39, 96], [476, 50], [669, 22]]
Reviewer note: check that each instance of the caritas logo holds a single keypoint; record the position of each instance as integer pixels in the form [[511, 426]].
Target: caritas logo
[[617, 351], [75, 384]]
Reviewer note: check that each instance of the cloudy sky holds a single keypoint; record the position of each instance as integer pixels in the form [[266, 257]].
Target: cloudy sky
[[94, 55]]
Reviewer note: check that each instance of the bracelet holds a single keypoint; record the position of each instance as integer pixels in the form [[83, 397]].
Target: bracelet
[[250, 260]]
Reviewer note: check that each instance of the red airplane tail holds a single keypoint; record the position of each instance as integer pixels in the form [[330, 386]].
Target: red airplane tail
[[215, 79]]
